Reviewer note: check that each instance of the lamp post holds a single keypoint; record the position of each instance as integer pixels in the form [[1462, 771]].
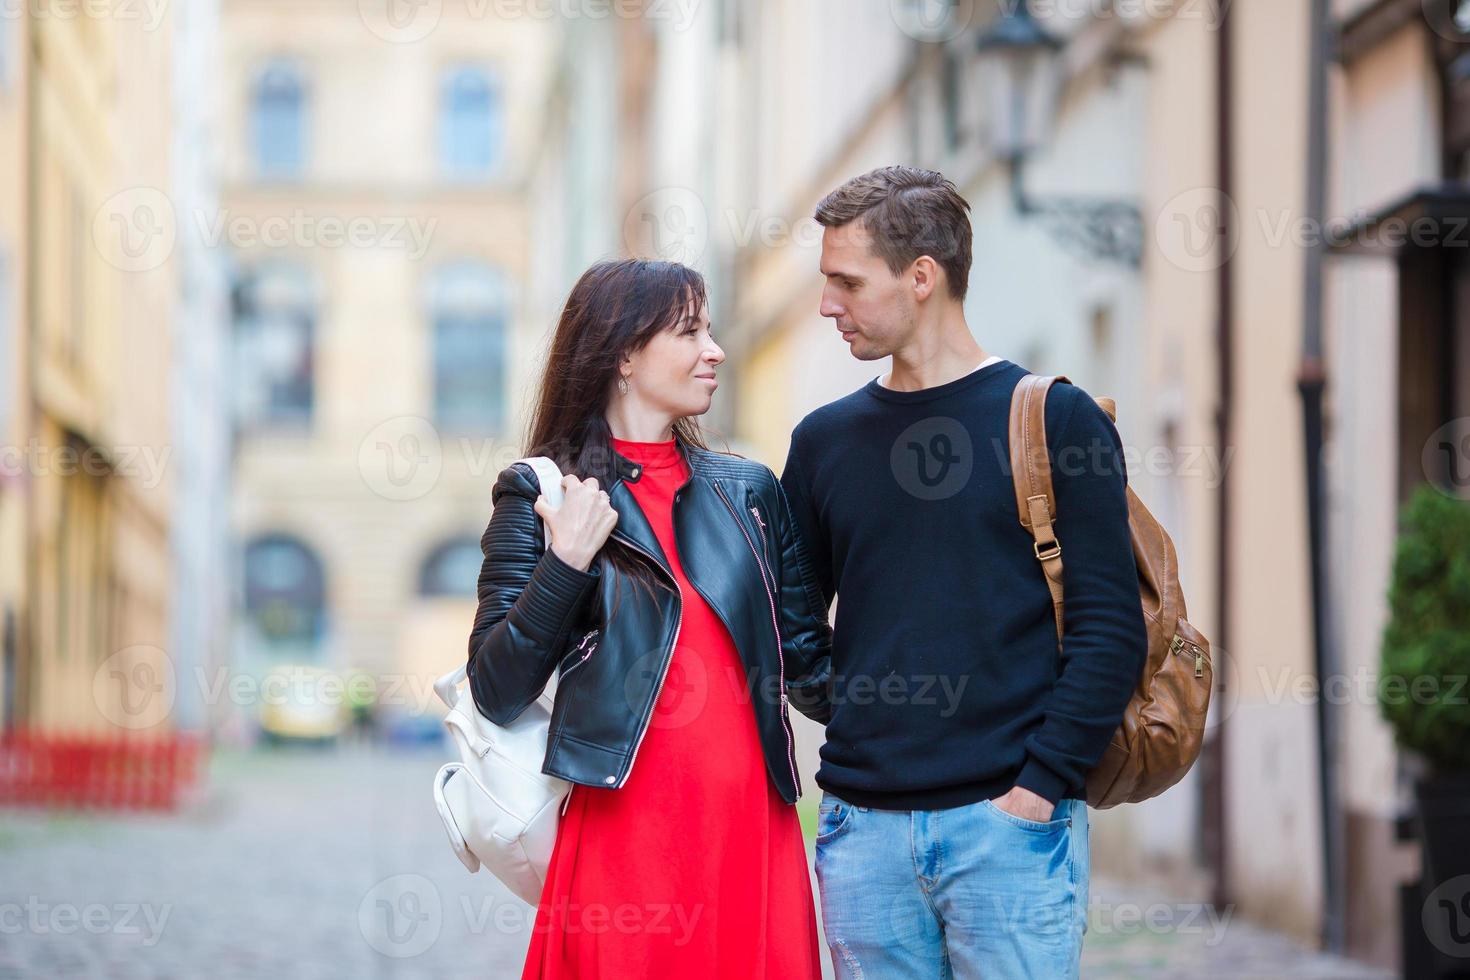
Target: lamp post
[[1021, 72]]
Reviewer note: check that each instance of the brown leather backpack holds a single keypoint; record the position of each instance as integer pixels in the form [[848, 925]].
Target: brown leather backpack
[[1164, 724]]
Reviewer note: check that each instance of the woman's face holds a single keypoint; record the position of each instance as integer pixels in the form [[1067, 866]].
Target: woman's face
[[674, 373]]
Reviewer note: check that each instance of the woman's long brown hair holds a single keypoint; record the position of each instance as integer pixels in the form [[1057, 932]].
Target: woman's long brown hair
[[615, 308]]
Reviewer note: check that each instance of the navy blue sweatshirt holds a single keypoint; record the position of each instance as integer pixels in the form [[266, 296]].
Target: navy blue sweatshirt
[[948, 685]]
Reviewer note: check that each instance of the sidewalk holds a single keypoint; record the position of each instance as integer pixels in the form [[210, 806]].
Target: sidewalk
[[333, 864], [1135, 933]]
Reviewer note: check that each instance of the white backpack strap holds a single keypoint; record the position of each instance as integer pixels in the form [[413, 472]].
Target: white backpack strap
[[548, 475]]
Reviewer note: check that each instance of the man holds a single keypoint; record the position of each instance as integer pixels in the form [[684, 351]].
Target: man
[[952, 832]]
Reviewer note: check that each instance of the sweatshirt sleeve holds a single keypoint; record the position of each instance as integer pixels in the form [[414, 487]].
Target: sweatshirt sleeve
[[1104, 643], [804, 514]]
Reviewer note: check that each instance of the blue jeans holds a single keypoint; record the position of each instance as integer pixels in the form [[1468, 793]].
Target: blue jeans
[[964, 892]]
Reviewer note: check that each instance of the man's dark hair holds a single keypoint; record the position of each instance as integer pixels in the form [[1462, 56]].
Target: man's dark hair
[[909, 212]]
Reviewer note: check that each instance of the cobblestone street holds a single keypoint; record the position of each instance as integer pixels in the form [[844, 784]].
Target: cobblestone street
[[332, 864]]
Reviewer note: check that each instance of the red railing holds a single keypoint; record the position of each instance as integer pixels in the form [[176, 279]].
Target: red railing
[[101, 772]]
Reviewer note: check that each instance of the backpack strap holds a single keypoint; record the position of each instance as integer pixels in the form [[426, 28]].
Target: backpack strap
[[548, 476], [1031, 474]]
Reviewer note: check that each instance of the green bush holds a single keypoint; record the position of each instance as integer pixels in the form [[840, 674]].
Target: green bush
[[1423, 689]]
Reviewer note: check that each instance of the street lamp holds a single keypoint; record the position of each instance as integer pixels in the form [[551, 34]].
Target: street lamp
[[1020, 69]]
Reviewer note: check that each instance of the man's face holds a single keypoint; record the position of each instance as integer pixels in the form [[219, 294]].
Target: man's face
[[874, 309]]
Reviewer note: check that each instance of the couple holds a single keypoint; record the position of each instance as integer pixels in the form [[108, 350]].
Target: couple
[[684, 603]]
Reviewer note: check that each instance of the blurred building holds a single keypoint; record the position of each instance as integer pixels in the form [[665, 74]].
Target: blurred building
[[374, 201], [202, 423], [85, 283], [1397, 322], [1153, 244], [14, 376]]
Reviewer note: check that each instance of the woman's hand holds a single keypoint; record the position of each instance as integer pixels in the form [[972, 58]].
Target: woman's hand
[[581, 525]]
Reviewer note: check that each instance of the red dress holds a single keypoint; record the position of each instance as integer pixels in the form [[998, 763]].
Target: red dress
[[695, 867]]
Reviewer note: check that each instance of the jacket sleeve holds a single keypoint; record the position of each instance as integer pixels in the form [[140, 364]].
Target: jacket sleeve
[[529, 602], [806, 638]]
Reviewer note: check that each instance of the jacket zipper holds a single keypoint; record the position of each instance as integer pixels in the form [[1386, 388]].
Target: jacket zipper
[[775, 627], [668, 656], [580, 646]]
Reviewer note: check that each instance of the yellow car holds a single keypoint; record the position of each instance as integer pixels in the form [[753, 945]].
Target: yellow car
[[303, 703]]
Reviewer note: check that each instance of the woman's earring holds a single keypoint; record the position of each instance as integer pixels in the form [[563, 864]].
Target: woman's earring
[[622, 385]]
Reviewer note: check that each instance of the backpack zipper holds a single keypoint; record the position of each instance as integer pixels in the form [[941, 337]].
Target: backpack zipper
[[1178, 644]]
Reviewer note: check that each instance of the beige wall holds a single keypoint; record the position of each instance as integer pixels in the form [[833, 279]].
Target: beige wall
[[99, 534], [371, 153], [14, 387]]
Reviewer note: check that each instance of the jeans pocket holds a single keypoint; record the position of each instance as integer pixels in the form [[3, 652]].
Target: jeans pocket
[[833, 820], [1061, 817]]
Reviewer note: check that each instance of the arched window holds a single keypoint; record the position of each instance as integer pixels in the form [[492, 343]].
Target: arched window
[[469, 316], [471, 122], [275, 326], [452, 569], [285, 597], [278, 118]]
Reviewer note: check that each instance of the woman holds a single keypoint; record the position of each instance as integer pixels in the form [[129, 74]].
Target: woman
[[673, 602]]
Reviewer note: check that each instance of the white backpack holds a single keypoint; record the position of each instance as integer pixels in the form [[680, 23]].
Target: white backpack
[[499, 809]]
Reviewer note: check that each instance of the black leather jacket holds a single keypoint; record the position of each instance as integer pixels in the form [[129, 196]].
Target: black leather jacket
[[740, 551]]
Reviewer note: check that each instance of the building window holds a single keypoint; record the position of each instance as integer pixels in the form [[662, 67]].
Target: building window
[[285, 597], [471, 123], [275, 326], [952, 98], [5, 55], [278, 112], [452, 569], [469, 317]]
